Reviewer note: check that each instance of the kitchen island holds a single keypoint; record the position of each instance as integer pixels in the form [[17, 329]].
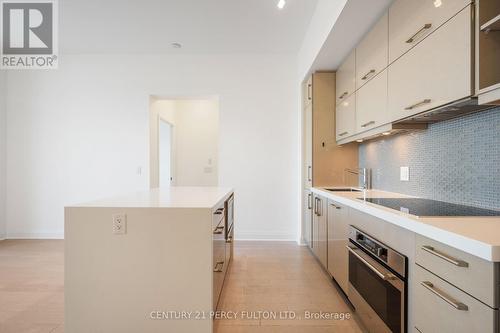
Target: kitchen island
[[152, 261]]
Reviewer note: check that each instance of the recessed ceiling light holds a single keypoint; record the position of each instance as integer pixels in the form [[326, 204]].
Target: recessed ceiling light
[[176, 45], [281, 4]]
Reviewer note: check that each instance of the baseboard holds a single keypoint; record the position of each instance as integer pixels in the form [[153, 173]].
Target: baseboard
[[35, 236]]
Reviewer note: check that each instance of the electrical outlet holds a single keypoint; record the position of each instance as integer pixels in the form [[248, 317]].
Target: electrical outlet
[[119, 224], [404, 174]]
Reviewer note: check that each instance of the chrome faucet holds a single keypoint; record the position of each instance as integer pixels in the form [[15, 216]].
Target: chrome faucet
[[364, 172]]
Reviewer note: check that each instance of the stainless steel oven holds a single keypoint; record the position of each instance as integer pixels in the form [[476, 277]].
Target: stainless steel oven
[[377, 283]]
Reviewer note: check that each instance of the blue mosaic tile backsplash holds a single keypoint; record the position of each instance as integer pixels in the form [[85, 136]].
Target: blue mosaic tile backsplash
[[456, 161]]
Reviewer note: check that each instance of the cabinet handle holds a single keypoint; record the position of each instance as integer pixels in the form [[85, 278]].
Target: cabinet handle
[[336, 207], [309, 94], [411, 107], [372, 71], [219, 211], [229, 240], [451, 260], [368, 124], [320, 207], [309, 201], [221, 264], [414, 37], [309, 169], [344, 133], [457, 305], [343, 95], [219, 230]]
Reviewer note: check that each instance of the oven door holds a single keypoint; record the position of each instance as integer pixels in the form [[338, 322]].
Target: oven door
[[377, 294]]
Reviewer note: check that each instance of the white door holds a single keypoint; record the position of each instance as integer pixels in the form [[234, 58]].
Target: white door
[[165, 153]]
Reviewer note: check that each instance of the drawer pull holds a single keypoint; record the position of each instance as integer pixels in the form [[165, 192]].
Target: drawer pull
[[457, 305], [343, 95], [219, 263], [335, 206], [367, 75], [309, 201], [368, 124], [219, 211], [229, 240], [414, 37], [451, 260], [343, 133], [219, 230], [411, 107]]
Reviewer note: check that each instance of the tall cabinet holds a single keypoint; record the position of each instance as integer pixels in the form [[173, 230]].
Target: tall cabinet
[[324, 162]]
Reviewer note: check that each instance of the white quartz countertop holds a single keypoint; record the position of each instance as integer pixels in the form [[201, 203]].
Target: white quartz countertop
[[171, 197], [479, 236]]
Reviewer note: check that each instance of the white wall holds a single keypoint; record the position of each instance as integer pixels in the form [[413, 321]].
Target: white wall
[[196, 139], [81, 132], [3, 153], [322, 22]]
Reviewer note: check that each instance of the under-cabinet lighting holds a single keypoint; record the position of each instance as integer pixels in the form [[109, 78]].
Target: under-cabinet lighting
[[386, 133], [438, 3], [281, 4], [359, 140]]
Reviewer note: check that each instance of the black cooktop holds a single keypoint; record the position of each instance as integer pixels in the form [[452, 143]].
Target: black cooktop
[[426, 207]]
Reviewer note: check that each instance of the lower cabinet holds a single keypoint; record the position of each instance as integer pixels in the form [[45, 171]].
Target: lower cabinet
[[338, 234], [439, 307], [308, 216], [320, 229]]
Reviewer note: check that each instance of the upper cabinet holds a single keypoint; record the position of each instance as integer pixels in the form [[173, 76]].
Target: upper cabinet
[[488, 51], [346, 118], [435, 72], [372, 53], [346, 78], [371, 104], [413, 20]]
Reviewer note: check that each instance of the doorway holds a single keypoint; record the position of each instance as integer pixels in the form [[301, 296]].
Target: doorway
[[165, 153], [184, 141]]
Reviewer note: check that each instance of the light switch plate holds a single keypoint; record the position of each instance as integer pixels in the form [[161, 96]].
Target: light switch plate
[[119, 224], [404, 174]]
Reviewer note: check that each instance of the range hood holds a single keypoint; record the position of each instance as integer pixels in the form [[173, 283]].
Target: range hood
[[446, 112]]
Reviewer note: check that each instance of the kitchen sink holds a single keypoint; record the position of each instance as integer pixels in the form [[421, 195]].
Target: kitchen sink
[[343, 189]]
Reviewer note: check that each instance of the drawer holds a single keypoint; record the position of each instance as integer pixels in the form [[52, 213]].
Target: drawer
[[475, 276], [371, 104], [434, 73], [439, 307], [412, 21], [346, 118], [217, 216], [345, 78], [372, 53]]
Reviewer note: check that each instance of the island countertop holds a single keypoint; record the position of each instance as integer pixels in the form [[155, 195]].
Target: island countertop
[[168, 197], [479, 236]]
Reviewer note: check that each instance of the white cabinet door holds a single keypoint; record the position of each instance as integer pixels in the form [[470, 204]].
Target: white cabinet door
[[320, 229], [436, 72], [410, 21], [346, 78], [308, 215], [371, 104], [372, 53], [308, 145], [338, 235], [307, 92], [346, 118]]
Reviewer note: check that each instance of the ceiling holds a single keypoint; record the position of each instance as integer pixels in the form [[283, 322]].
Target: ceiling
[[201, 26]]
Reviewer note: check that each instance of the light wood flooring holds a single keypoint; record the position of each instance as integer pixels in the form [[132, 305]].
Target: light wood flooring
[[272, 277]]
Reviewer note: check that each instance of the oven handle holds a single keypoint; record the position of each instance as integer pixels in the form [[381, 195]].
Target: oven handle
[[385, 277]]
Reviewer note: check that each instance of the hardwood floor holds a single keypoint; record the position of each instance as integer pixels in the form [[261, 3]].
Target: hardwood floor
[[275, 277], [272, 277], [31, 286]]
